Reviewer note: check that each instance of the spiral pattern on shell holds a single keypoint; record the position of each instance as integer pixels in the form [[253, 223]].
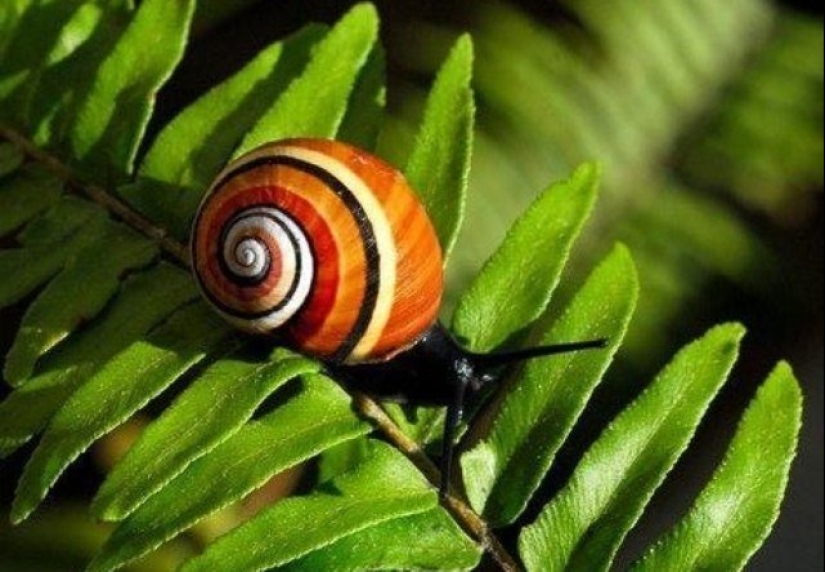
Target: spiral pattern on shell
[[322, 244]]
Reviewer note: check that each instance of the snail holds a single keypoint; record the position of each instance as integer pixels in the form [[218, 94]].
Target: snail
[[326, 248]]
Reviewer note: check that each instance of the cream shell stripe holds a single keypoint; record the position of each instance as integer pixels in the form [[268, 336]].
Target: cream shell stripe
[[249, 258], [376, 217]]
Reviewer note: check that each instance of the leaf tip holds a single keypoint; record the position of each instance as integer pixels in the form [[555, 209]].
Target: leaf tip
[[734, 331], [591, 171], [20, 511], [365, 12], [623, 256], [784, 371], [783, 381], [106, 508], [464, 49]]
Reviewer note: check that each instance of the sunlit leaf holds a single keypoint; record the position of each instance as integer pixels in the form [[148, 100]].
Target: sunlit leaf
[[735, 513], [365, 113], [427, 541], [29, 49], [583, 527], [316, 102], [319, 417], [385, 487], [127, 383], [537, 413], [112, 120], [516, 284], [439, 168], [85, 43], [210, 411], [47, 245], [90, 279], [28, 409], [179, 167]]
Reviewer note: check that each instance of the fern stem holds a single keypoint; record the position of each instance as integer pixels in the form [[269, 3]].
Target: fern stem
[[99, 195], [465, 516]]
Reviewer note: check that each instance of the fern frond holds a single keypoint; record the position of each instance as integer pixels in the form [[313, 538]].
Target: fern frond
[[79, 204]]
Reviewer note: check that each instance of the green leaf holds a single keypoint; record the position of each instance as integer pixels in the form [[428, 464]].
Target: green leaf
[[179, 166], [424, 425], [388, 486], [124, 385], [427, 541], [342, 458], [735, 513], [10, 13], [52, 103], [583, 527], [113, 118], [90, 279], [497, 305], [11, 158], [65, 538], [316, 103], [210, 411], [45, 253], [439, 167], [319, 417], [26, 194], [365, 113], [144, 301], [38, 34], [543, 403], [57, 225], [64, 33]]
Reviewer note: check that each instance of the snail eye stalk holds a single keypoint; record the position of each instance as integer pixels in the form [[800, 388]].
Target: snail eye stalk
[[439, 371], [473, 371]]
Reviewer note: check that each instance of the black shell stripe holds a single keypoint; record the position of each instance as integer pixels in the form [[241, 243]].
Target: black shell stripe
[[365, 229], [251, 282]]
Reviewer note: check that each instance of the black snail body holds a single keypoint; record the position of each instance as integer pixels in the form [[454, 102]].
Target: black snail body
[[326, 248]]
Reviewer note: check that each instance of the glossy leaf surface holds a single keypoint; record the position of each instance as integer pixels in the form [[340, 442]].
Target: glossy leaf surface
[[736, 511], [210, 411], [439, 168], [496, 305], [127, 383], [544, 401], [582, 528], [317, 418], [179, 167], [316, 102], [385, 487], [112, 119]]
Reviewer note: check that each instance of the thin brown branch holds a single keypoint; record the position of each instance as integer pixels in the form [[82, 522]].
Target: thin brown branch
[[100, 196], [469, 520]]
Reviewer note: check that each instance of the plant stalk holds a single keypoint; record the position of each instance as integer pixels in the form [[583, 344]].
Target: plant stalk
[[100, 196]]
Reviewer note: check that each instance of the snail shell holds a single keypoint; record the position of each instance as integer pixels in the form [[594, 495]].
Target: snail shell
[[323, 244]]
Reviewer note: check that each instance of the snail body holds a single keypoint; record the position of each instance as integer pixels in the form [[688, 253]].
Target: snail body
[[326, 247], [323, 244]]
